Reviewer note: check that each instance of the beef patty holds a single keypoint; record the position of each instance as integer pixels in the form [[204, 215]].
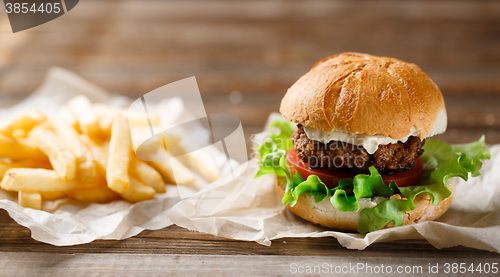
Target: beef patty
[[342, 156]]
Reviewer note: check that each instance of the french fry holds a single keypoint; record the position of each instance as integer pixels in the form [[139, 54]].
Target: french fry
[[119, 156], [34, 163], [83, 152], [29, 120], [137, 191], [36, 179], [4, 167], [175, 141], [105, 115], [183, 175], [24, 123], [66, 114], [141, 134], [30, 163], [203, 163], [86, 166], [19, 133], [98, 154], [81, 108], [18, 149], [62, 159], [146, 174], [200, 160], [94, 195], [153, 119], [147, 146], [31, 200], [52, 195], [105, 147]]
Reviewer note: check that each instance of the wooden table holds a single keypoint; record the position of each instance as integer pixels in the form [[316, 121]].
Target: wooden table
[[258, 48]]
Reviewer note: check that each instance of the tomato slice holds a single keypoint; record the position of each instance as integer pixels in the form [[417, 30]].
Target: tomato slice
[[331, 178]]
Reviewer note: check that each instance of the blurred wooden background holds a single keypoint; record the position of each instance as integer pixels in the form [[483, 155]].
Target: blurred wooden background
[[260, 48]]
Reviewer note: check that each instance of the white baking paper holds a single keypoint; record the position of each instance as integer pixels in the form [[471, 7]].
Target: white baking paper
[[67, 222], [249, 209], [244, 208]]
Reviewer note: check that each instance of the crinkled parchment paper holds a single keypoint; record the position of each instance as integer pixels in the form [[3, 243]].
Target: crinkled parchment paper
[[243, 208], [67, 222], [249, 209]]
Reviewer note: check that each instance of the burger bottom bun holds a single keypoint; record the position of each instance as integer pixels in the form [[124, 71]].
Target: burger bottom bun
[[327, 215]]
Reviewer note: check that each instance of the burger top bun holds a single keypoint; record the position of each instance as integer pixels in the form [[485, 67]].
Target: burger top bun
[[360, 93]]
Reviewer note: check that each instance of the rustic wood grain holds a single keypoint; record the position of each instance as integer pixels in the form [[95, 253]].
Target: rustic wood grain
[[38, 264], [262, 47], [176, 240]]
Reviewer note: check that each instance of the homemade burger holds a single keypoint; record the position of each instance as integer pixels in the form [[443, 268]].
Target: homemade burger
[[354, 154]]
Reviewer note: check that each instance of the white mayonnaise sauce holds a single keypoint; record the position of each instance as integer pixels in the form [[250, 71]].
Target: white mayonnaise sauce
[[371, 142]]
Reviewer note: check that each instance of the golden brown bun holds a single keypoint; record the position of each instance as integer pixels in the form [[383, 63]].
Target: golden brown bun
[[360, 93], [326, 215]]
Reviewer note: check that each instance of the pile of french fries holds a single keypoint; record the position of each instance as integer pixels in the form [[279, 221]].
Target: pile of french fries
[[85, 152]]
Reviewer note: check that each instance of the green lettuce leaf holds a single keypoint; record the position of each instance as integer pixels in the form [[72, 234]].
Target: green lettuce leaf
[[376, 218], [341, 199], [314, 186], [441, 162], [363, 186], [279, 140], [438, 153]]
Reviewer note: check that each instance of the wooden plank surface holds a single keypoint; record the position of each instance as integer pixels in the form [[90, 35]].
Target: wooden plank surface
[[177, 240], [37, 264], [176, 251], [258, 48]]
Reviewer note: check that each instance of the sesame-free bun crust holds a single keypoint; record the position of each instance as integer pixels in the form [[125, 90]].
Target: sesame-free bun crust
[[360, 93], [327, 215]]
